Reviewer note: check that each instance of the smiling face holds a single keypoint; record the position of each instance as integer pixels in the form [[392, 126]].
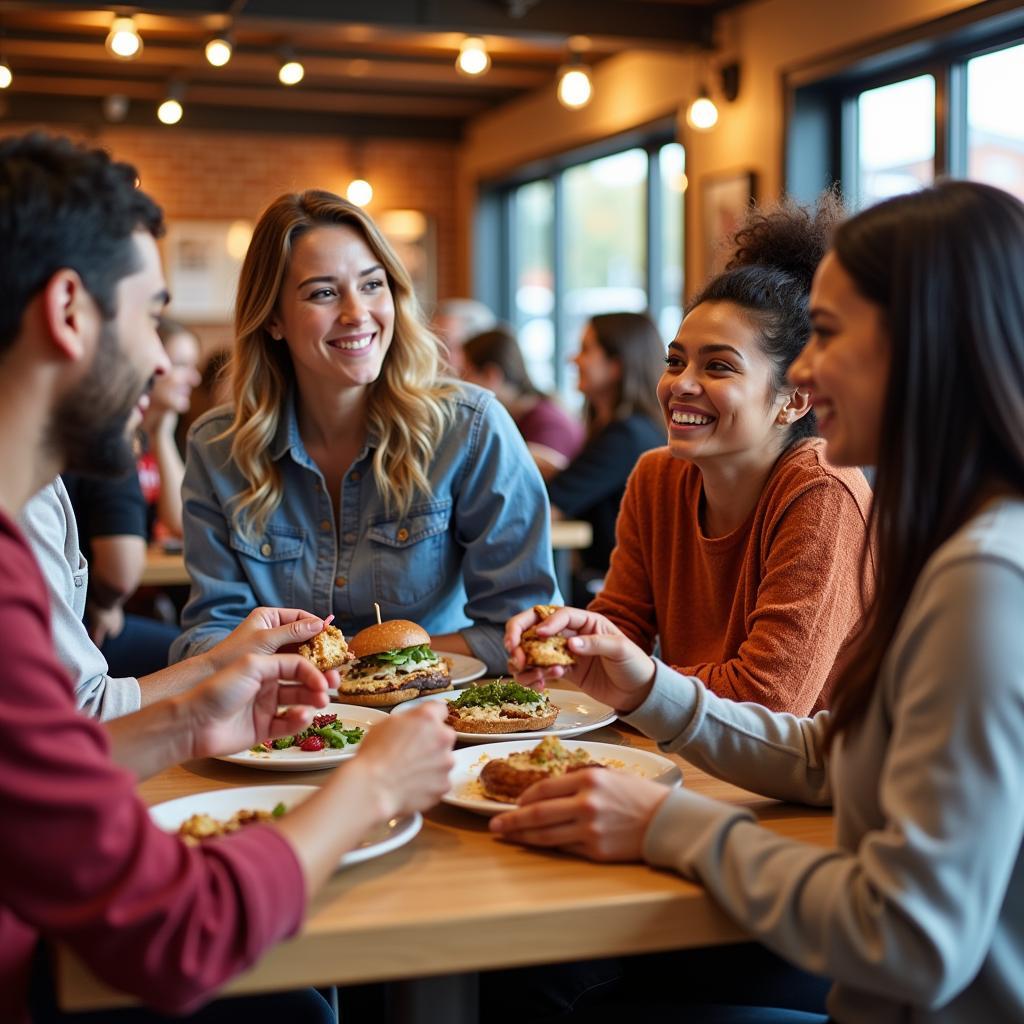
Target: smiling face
[[335, 310], [717, 391], [845, 366], [173, 390]]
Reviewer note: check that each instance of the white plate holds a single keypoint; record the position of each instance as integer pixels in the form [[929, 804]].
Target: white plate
[[577, 714], [470, 760], [464, 669], [222, 803], [292, 759]]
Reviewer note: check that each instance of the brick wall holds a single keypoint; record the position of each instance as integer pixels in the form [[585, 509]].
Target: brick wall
[[197, 175]]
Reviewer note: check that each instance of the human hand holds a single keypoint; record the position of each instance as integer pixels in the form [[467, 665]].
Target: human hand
[[104, 623], [609, 666], [408, 758], [238, 706], [597, 813], [266, 631]]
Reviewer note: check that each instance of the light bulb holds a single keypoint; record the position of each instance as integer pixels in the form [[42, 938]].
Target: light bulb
[[123, 39], [170, 111], [291, 73], [218, 51], [5, 76], [575, 88], [359, 192], [703, 114], [473, 58]]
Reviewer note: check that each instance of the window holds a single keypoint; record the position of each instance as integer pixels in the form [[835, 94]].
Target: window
[[938, 105], [594, 234]]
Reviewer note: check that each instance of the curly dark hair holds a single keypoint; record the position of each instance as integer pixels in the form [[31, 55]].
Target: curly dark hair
[[775, 254], [65, 206]]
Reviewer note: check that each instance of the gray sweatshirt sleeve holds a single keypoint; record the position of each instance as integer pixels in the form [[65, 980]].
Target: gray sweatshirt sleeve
[[928, 809], [48, 521]]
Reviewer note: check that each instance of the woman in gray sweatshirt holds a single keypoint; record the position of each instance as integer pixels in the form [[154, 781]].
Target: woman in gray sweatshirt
[[916, 365]]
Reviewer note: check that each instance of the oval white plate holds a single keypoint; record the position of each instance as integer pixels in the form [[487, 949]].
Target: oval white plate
[[577, 714], [222, 803], [294, 760], [463, 668], [469, 761]]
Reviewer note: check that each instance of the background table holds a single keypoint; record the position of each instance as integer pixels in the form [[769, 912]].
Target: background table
[[456, 900]]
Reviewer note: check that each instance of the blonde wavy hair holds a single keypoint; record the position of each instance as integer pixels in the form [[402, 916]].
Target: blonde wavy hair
[[410, 403]]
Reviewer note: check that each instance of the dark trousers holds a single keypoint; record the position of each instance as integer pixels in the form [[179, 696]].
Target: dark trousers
[[140, 648]]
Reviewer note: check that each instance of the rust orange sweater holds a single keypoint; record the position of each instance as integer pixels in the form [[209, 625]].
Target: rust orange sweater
[[758, 614]]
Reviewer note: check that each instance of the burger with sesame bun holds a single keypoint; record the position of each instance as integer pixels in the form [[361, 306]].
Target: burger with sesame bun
[[393, 663]]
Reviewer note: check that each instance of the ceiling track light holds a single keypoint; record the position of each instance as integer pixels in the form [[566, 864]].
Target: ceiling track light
[[123, 39], [702, 114], [171, 110], [291, 71], [575, 88], [6, 75], [473, 58]]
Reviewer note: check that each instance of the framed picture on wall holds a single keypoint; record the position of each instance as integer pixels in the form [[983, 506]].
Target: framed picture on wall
[[725, 199], [412, 234], [203, 258]]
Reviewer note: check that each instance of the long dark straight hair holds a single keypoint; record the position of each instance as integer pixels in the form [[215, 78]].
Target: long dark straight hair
[[946, 266]]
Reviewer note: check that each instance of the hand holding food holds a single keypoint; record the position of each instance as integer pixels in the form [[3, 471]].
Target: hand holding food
[[407, 759], [239, 705], [327, 649], [609, 666], [602, 815], [266, 631], [501, 707], [545, 650]]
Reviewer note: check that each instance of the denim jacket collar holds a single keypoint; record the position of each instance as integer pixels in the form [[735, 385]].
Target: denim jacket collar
[[288, 439]]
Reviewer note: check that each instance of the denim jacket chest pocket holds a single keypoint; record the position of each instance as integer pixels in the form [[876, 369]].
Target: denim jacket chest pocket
[[270, 561], [411, 554]]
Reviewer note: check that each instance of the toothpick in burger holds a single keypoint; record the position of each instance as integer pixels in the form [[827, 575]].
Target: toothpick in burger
[[393, 663]]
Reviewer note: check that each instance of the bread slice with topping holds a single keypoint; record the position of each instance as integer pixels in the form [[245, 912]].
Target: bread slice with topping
[[501, 707]]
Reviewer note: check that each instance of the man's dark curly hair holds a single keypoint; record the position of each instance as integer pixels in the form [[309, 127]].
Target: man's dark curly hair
[[65, 206], [775, 254]]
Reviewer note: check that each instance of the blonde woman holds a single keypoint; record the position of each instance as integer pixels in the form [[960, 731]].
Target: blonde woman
[[349, 470]]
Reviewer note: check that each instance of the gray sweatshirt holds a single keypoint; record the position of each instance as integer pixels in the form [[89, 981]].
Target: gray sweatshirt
[[918, 912], [49, 524]]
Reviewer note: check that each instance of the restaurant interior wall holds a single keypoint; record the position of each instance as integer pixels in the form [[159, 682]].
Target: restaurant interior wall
[[224, 176], [767, 39]]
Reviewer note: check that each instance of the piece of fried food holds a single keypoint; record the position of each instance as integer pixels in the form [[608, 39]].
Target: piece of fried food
[[327, 649], [544, 652], [505, 778]]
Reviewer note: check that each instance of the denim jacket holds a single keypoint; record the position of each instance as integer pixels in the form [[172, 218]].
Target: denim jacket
[[466, 557]]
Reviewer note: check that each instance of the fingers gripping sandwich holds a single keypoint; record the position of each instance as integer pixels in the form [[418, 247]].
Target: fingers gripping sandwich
[[393, 663]]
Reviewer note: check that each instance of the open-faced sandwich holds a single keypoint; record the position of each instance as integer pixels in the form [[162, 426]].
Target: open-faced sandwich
[[546, 651], [505, 778], [393, 663], [500, 707], [327, 649]]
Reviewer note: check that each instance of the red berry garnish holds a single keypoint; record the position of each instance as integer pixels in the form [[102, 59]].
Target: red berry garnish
[[319, 721], [312, 743]]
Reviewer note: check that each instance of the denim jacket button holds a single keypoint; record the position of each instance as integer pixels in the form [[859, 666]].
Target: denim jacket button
[[355, 475], [340, 581], [325, 524], [265, 550], [351, 538], [402, 535]]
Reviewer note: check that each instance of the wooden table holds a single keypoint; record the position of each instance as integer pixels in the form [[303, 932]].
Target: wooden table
[[455, 901], [167, 569]]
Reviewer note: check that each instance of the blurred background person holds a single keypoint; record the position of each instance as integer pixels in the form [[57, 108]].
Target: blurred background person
[[159, 463], [456, 320], [620, 361], [494, 360]]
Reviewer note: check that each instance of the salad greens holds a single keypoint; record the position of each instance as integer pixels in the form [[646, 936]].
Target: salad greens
[[498, 692], [333, 735], [402, 656]]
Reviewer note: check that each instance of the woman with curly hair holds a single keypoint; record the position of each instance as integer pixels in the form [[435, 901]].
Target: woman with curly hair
[[349, 470], [738, 545]]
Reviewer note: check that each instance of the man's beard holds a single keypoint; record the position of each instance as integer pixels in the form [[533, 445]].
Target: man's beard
[[88, 429]]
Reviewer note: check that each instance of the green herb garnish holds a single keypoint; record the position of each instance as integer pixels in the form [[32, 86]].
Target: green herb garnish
[[497, 693], [278, 810]]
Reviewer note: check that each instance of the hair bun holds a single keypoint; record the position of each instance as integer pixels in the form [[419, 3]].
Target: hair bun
[[788, 236]]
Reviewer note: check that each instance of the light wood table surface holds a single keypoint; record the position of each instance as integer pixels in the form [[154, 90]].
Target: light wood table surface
[[455, 901], [167, 569]]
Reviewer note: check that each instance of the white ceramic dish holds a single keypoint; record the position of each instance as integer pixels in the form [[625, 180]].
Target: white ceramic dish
[[463, 668], [469, 761], [223, 803], [291, 759], [577, 714]]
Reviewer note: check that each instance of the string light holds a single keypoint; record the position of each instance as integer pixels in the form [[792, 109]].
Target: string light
[[291, 71], [171, 110], [702, 114], [473, 58], [575, 88], [123, 39], [6, 75], [219, 50], [359, 192]]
